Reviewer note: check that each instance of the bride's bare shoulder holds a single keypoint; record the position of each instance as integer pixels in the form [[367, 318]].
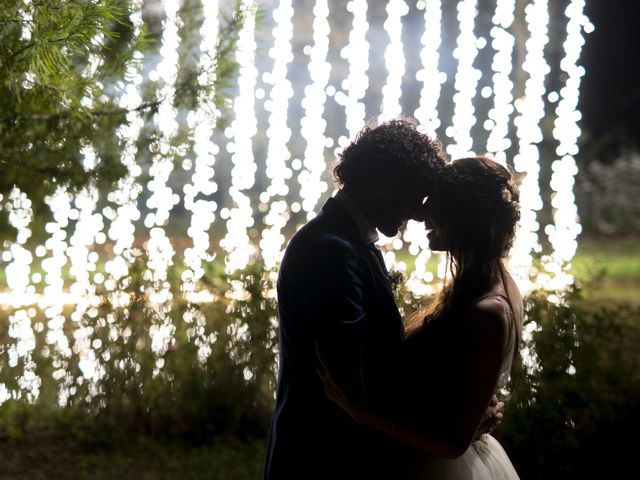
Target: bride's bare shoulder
[[491, 306], [489, 315]]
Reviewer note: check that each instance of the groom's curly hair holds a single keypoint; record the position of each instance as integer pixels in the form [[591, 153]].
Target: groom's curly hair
[[394, 150]]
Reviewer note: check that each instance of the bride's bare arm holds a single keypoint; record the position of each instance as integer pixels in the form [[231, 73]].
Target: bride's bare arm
[[476, 381], [475, 384]]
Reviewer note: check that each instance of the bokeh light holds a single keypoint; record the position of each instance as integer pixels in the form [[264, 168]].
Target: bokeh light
[[306, 85]]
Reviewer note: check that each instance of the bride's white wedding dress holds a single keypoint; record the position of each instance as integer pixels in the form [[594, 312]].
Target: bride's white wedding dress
[[485, 459]]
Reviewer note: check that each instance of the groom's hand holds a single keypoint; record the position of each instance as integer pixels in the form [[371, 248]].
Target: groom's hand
[[492, 418]]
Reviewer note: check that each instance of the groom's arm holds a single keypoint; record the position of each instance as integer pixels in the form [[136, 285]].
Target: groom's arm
[[335, 302], [469, 410], [444, 428], [334, 293]]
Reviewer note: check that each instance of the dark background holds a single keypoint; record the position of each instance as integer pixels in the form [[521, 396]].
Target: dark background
[[610, 92]]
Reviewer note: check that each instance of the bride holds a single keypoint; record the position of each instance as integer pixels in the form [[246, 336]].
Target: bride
[[460, 350]]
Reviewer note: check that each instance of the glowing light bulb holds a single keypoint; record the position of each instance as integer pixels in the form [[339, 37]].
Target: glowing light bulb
[[26, 16]]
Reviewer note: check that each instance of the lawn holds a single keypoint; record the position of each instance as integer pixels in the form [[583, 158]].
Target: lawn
[[608, 269], [222, 459]]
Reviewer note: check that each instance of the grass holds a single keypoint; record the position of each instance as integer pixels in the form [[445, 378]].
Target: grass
[[608, 269], [144, 459], [616, 257]]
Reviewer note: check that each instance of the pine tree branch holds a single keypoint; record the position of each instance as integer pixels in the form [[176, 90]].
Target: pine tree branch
[[19, 51], [95, 113], [32, 44]]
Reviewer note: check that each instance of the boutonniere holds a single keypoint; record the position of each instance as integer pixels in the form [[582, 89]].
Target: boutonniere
[[397, 279]]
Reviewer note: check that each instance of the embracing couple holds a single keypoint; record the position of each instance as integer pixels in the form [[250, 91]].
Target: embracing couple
[[361, 396]]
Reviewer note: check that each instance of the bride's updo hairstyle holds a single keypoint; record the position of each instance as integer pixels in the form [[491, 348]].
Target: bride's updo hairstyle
[[481, 208], [476, 211], [478, 203]]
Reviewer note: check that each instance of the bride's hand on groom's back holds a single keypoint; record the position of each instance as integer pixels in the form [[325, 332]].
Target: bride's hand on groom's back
[[492, 418]]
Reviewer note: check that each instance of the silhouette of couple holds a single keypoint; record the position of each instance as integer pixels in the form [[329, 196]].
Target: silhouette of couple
[[361, 396]]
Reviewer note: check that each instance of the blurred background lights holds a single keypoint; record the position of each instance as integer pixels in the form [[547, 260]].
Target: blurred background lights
[[278, 135], [430, 75], [356, 52], [500, 113], [313, 124], [236, 242], [466, 81], [530, 111], [306, 85], [394, 59], [566, 227], [201, 123]]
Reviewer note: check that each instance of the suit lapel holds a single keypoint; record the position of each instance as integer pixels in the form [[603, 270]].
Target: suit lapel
[[375, 256], [383, 302], [341, 219]]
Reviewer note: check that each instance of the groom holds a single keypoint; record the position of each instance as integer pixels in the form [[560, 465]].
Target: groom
[[335, 300]]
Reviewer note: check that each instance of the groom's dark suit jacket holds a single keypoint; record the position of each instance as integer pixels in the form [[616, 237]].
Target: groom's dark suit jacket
[[332, 287]]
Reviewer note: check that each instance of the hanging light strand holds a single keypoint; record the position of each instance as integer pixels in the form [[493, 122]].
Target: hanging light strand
[[125, 197], [356, 53], [202, 123], [394, 60], [566, 227], [466, 81], [20, 349], [240, 217], [313, 125], [278, 133], [502, 109], [530, 111], [428, 120], [159, 250], [395, 64], [430, 74]]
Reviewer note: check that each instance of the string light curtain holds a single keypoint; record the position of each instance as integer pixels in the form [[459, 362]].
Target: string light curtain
[[308, 80]]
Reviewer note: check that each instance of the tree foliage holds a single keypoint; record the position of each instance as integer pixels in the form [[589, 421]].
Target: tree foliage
[[576, 415], [62, 64]]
